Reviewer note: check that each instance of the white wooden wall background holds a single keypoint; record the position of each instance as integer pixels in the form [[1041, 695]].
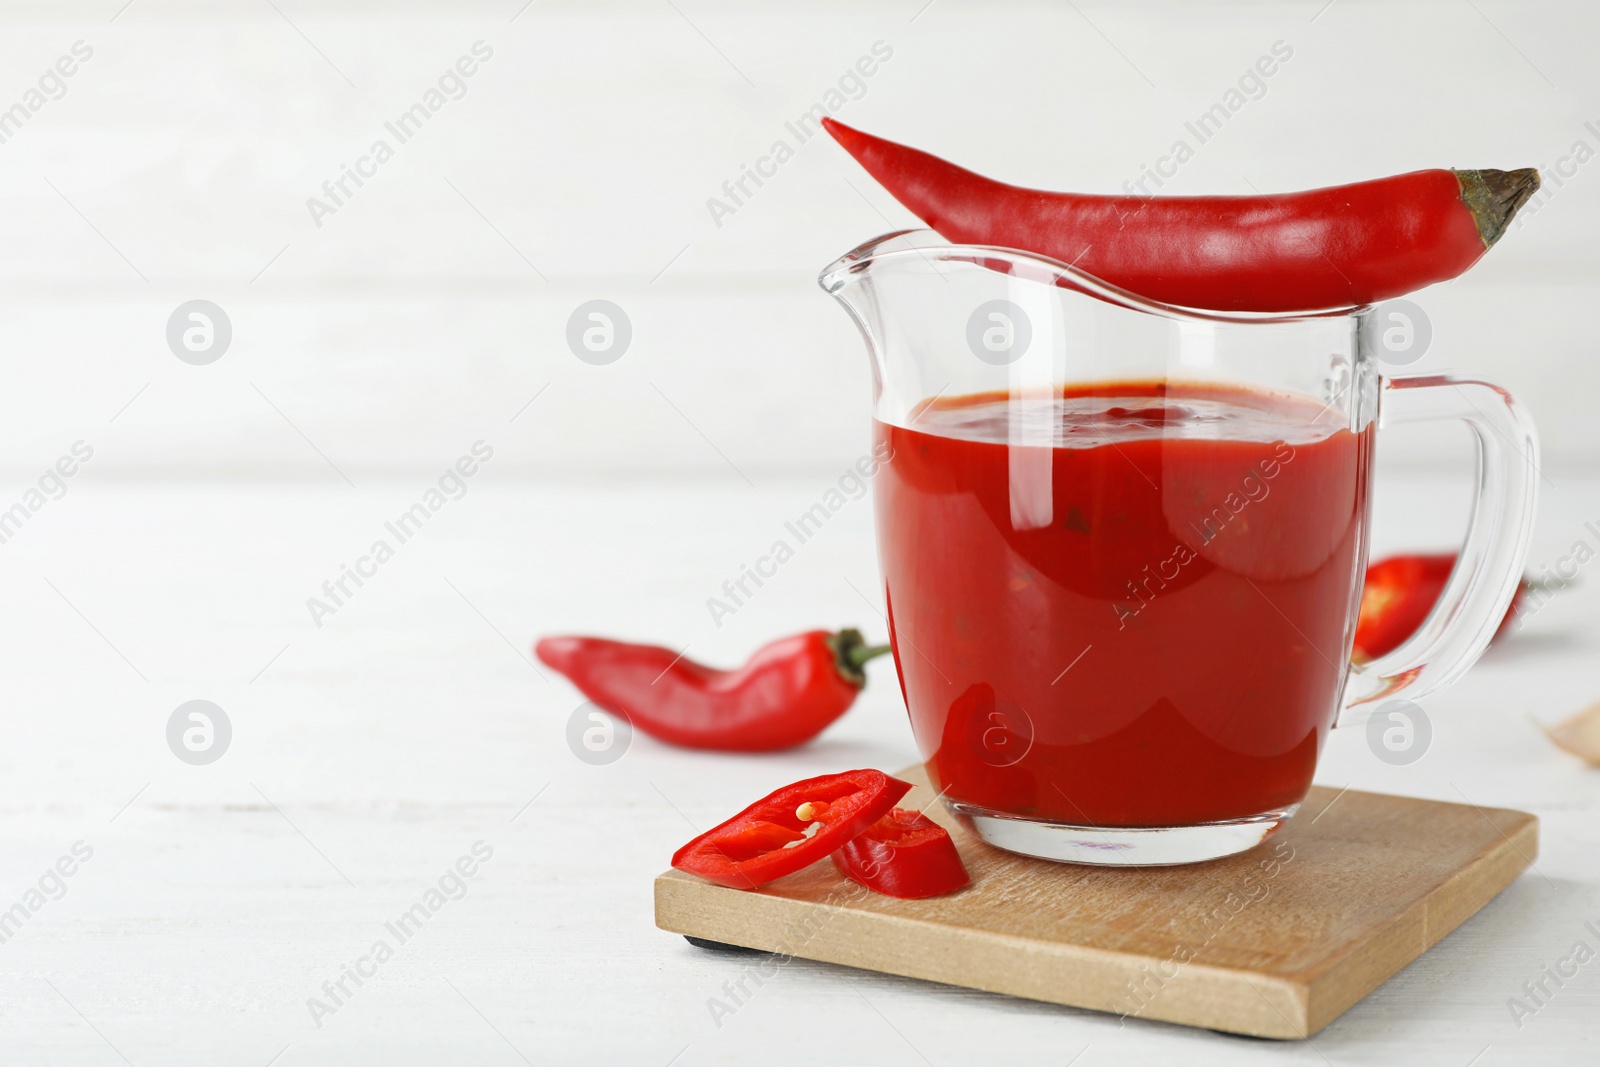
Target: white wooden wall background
[[579, 162]]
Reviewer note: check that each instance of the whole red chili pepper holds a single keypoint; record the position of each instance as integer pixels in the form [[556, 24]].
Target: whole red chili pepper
[[1334, 247], [1399, 592], [787, 693], [904, 854], [790, 829]]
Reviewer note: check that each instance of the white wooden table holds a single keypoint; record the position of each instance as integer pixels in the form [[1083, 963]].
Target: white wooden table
[[370, 755]]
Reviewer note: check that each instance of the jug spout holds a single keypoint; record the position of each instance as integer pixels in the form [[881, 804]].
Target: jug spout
[[940, 319], [918, 299], [851, 280]]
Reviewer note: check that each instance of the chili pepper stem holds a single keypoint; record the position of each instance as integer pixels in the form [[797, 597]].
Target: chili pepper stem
[[851, 652], [861, 655], [1493, 196]]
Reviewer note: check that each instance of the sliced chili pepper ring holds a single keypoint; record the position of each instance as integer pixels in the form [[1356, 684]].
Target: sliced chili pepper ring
[[904, 854], [769, 839]]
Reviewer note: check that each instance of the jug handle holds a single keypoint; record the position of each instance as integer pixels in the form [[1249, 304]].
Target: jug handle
[[1489, 568]]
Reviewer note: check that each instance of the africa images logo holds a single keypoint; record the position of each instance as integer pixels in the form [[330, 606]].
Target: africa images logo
[[851, 85], [451, 85]]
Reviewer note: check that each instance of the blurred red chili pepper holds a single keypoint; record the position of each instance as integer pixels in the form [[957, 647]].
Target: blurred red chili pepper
[[1323, 248], [1399, 592], [904, 854], [788, 692], [790, 829]]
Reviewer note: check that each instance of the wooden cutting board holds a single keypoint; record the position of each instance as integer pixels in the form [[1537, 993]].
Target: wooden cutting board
[[1275, 942]]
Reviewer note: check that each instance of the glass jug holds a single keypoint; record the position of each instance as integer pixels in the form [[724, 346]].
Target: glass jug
[[1123, 544]]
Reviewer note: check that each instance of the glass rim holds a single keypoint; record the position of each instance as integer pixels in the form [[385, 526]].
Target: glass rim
[[920, 243]]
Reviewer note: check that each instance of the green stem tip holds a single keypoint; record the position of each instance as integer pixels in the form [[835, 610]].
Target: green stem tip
[[1493, 197], [851, 653]]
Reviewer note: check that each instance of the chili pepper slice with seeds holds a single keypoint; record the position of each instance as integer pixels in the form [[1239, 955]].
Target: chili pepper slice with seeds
[[790, 829], [1323, 248], [905, 854], [788, 692], [1398, 594]]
